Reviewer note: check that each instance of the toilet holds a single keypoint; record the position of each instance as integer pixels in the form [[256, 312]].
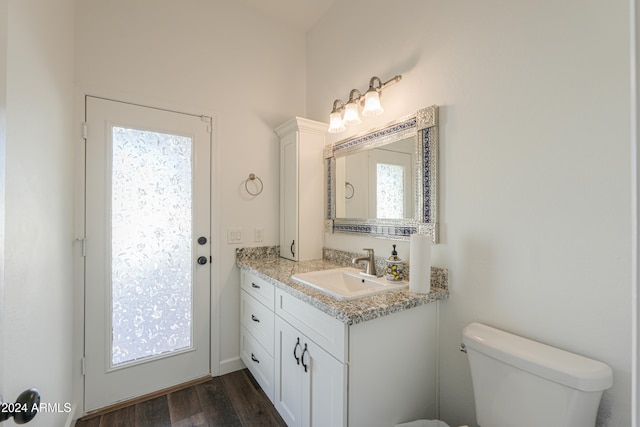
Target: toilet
[[524, 383]]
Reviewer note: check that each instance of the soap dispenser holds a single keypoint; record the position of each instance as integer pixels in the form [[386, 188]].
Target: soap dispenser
[[393, 270]]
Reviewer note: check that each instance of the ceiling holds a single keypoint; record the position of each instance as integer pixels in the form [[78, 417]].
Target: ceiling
[[297, 14]]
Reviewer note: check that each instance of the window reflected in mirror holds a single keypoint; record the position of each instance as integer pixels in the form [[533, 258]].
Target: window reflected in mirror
[[390, 191]]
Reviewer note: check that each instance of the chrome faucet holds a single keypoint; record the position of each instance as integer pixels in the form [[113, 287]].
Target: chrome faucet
[[370, 261]]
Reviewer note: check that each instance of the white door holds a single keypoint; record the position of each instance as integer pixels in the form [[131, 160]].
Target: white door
[[147, 263]]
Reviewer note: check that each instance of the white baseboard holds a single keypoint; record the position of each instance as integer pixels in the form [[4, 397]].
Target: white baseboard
[[71, 418], [231, 365]]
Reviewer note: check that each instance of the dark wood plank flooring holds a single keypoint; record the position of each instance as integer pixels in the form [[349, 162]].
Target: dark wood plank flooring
[[232, 400]]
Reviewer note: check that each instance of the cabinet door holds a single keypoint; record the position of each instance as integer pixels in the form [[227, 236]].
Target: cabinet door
[[324, 385], [289, 196], [288, 373], [310, 384]]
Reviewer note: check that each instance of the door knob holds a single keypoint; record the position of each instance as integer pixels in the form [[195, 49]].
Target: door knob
[[25, 408], [202, 260]]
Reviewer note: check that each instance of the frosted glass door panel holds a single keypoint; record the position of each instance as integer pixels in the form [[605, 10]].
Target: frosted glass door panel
[[151, 244], [148, 251]]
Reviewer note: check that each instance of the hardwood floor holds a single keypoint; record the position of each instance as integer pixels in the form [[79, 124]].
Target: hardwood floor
[[232, 400]]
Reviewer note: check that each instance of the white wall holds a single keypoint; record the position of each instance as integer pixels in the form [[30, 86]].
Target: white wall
[[209, 57], [4, 7], [37, 310], [535, 164]]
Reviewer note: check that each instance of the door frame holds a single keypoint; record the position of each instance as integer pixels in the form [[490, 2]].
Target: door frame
[[79, 227]]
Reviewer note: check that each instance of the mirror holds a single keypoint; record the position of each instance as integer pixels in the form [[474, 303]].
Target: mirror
[[383, 183], [378, 183]]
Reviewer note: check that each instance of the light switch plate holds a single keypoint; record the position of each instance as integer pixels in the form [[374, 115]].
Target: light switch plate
[[234, 235]]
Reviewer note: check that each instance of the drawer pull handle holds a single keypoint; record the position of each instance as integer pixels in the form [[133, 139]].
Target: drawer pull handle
[[295, 351], [255, 359], [306, 365], [253, 285], [255, 319]]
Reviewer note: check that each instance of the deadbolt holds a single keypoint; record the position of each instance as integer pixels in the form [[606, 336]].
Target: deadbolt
[[202, 240]]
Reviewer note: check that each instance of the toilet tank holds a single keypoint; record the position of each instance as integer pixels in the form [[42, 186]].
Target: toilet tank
[[524, 383]]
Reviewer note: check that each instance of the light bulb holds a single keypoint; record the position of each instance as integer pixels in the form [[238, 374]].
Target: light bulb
[[351, 116], [336, 124], [372, 106]]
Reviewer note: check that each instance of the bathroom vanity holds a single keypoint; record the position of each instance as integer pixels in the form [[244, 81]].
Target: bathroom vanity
[[328, 362]]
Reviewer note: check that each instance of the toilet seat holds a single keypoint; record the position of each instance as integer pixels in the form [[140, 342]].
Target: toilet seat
[[426, 423]]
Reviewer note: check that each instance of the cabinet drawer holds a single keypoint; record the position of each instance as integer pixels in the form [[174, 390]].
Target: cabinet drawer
[[258, 288], [326, 331], [258, 320], [258, 360]]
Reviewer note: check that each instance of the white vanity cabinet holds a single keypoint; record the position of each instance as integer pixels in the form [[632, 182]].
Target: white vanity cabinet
[[257, 328], [376, 373], [310, 377], [301, 188], [310, 383]]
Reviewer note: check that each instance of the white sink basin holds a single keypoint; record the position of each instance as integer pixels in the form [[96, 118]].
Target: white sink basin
[[347, 283]]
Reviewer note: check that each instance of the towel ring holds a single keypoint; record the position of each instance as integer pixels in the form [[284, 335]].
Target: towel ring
[[253, 177], [353, 190]]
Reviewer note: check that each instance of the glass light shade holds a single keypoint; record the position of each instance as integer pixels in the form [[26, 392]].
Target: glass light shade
[[335, 123], [372, 106], [351, 116]]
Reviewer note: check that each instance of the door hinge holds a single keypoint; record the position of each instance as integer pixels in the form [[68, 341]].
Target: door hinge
[[84, 245], [83, 365], [207, 119]]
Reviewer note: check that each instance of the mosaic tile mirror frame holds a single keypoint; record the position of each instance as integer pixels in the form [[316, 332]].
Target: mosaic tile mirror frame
[[419, 203]]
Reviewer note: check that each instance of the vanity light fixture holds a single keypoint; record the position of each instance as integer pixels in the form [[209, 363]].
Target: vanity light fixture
[[336, 125], [351, 116], [370, 102]]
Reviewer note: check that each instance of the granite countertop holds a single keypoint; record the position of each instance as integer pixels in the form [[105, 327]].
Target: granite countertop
[[266, 263]]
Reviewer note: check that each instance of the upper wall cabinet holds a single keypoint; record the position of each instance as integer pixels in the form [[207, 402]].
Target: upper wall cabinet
[[301, 188]]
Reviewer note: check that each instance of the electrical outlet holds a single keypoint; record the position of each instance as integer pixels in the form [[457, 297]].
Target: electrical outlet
[[258, 234]]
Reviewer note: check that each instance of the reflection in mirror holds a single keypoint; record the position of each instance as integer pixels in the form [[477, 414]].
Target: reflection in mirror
[[380, 182], [383, 182]]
